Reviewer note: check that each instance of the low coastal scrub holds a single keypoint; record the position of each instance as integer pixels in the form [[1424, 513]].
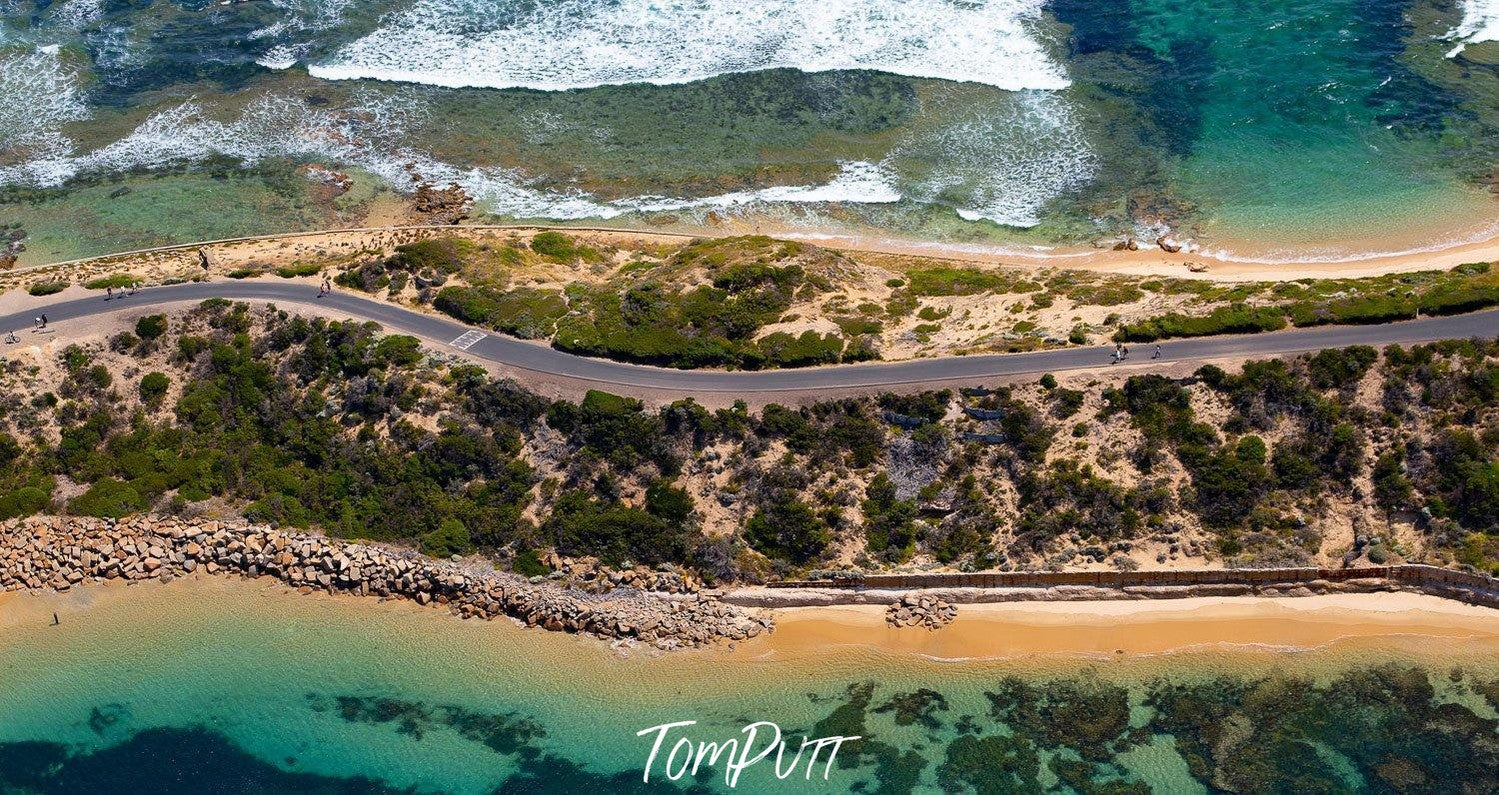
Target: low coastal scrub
[[46, 288], [720, 324], [299, 269], [1316, 302], [115, 280], [1343, 456]]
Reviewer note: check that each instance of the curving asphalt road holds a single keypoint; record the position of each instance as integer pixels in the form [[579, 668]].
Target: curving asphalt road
[[539, 358]]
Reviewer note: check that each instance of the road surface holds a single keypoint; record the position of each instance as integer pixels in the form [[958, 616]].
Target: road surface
[[873, 376]]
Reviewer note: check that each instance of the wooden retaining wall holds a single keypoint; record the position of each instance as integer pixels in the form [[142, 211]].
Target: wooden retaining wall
[[1409, 575]]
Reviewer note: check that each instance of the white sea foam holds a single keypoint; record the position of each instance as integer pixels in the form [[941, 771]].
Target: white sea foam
[[584, 43], [371, 135], [38, 95], [282, 56], [1480, 23], [76, 14], [1002, 162]]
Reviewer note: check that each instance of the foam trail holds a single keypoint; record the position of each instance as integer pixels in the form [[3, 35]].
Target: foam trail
[[584, 43]]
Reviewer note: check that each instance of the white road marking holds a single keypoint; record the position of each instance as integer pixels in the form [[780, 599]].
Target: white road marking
[[467, 339]]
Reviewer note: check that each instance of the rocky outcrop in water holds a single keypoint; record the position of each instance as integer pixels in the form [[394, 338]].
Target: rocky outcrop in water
[[57, 553]]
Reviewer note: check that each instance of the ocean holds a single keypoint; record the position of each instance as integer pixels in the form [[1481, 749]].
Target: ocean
[[1285, 130], [232, 686]]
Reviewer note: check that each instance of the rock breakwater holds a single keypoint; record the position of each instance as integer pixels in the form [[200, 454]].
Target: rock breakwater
[[915, 609], [60, 553]]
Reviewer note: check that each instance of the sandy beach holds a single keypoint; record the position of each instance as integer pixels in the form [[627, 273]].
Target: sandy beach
[[1106, 629]]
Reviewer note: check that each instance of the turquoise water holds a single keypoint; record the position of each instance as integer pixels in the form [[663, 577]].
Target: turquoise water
[[1277, 129], [238, 688]]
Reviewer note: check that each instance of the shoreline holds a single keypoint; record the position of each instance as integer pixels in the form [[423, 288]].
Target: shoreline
[[58, 555], [1148, 261], [1105, 629], [1035, 633]]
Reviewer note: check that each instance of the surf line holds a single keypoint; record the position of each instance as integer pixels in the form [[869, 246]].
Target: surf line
[[738, 757]]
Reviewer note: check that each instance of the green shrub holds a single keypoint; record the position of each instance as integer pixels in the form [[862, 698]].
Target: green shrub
[[528, 564], [1336, 368], [46, 288], [109, 498], [398, 350], [33, 497], [1362, 310], [525, 312], [443, 255], [1459, 299], [450, 538], [788, 529], [809, 348], [150, 327], [299, 269], [561, 248], [244, 273], [1233, 319], [154, 387]]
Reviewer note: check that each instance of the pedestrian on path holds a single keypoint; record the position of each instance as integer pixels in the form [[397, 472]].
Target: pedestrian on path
[[109, 292], [1157, 353]]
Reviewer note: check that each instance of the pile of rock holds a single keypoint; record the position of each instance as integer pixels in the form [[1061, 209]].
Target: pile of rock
[[916, 609], [38, 553], [589, 575]]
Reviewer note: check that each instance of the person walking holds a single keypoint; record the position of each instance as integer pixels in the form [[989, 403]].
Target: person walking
[[44, 323], [109, 292], [1157, 353]]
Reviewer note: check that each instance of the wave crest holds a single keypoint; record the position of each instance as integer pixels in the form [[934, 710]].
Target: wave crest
[[586, 43]]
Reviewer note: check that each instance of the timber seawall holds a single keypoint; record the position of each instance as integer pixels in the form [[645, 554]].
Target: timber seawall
[[991, 587]]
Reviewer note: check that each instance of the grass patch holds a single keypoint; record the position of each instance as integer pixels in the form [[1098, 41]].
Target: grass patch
[[113, 280], [561, 248]]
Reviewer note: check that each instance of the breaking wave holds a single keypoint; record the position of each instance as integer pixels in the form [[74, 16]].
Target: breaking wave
[[38, 95], [370, 136], [585, 43], [1002, 162]]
